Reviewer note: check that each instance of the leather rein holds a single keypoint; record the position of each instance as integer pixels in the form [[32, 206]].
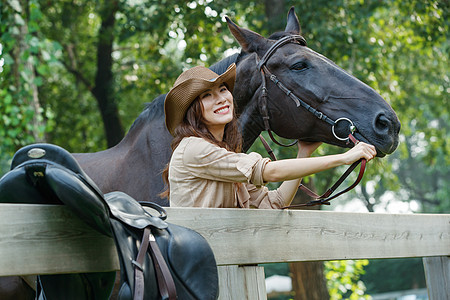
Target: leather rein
[[328, 195]]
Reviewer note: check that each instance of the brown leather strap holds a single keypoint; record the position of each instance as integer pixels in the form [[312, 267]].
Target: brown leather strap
[[166, 284], [138, 266], [327, 196], [265, 114], [165, 281], [335, 185], [268, 149]]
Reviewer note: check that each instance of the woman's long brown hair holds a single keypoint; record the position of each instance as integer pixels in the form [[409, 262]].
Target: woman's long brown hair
[[193, 124]]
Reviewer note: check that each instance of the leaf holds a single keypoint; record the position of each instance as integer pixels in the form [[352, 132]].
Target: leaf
[[38, 81], [15, 4], [19, 20]]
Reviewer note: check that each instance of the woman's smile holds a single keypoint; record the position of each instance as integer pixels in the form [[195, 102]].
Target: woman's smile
[[223, 110]]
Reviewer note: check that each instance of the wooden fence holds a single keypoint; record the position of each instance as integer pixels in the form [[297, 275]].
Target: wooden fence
[[46, 239]]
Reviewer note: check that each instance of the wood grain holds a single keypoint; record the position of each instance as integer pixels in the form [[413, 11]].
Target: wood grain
[[49, 239]]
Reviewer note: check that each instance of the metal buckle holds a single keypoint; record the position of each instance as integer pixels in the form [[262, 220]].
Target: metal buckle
[[352, 128]]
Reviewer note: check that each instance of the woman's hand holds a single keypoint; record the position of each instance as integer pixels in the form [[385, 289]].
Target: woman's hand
[[305, 149], [361, 150]]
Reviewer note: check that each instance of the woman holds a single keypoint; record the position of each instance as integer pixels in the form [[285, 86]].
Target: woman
[[207, 168]]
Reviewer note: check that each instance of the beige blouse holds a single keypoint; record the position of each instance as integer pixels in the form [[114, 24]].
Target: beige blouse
[[202, 174]]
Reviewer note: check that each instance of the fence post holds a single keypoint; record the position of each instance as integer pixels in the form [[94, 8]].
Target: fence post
[[437, 275], [242, 282]]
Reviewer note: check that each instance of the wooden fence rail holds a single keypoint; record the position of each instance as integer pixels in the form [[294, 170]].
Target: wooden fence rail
[[46, 239]]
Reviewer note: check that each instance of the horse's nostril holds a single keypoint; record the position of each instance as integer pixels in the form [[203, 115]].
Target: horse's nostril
[[382, 123]]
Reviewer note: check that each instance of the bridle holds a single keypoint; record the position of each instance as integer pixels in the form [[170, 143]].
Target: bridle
[[299, 102], [327, 196]]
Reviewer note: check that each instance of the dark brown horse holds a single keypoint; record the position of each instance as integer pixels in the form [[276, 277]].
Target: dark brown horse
[[134, 166]]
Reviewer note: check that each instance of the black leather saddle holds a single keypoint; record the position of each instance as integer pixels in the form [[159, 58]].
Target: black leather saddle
[[158, 260]]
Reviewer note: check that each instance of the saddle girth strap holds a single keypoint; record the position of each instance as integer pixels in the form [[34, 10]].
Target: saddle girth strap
[[165, 281]]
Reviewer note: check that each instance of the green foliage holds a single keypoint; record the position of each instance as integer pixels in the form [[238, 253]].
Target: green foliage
[[25, 56], [412, 75], [343, 279], [385, 275]]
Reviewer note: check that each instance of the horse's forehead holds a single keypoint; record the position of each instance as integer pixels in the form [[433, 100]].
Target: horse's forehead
[[292, 50]]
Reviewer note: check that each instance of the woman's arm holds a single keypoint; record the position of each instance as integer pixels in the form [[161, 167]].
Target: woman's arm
[[293, 170], [288, 169]]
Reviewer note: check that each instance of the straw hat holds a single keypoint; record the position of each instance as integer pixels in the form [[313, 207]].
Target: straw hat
[[188, 86]]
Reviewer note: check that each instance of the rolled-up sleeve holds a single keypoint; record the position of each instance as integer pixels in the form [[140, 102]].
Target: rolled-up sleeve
[[206, 160], [250, 196], [253, 168]]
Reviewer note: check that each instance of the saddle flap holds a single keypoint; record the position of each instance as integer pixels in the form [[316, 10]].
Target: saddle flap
[[130, 212], [80, 197], [16, 187]]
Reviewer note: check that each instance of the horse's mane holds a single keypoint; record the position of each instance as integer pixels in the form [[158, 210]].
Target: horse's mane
[[151, 111], [155, 109], [221, 66]]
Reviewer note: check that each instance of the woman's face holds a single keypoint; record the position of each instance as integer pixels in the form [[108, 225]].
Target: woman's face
[[218, 108]]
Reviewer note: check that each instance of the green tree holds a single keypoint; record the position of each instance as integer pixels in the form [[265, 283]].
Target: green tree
[[411, 72], [343, 279], [25, 57]]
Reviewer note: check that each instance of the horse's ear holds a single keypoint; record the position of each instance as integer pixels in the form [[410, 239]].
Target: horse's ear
[[293, 25], [250, 41]]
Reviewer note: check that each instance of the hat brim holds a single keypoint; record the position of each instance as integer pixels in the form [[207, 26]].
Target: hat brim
[[182, 95]]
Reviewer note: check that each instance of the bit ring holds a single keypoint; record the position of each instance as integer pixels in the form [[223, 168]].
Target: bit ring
[[352, 128]]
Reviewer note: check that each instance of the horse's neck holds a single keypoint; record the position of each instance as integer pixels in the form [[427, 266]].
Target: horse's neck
[[246, 94], [250, 123]]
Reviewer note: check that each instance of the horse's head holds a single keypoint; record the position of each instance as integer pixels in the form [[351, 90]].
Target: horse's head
[[316, 81]]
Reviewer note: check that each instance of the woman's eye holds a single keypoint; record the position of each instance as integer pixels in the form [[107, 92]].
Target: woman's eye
[[299, 66], [205, 95]]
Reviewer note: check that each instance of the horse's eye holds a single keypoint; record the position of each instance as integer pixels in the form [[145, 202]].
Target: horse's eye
[[301, 65]]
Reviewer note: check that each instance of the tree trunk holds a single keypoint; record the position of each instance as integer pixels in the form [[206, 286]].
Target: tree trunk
[[308, 281], [308, 278], [369, 205], [104, 80]]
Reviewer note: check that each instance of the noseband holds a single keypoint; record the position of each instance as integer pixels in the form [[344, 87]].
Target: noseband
[[327, 196]]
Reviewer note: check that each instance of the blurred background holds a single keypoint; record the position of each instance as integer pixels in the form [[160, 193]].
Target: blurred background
[[65, 64]]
